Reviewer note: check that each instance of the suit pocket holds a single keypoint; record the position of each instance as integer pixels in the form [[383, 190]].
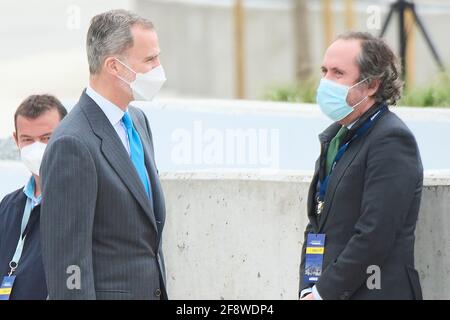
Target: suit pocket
[[414, 282], [113, 295]]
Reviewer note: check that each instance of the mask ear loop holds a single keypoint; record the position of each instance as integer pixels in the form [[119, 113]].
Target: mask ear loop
[[121, 78], [358, 83], [365, 98]]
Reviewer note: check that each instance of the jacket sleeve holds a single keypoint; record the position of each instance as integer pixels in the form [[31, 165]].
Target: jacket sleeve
[[393, 173], [69, 193]]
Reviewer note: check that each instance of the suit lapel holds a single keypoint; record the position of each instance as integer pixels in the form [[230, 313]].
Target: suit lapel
[[311, 194], [336, 177], [19, 202], [324, 138], [116, 154], [345, 162], [151, 169], [18, 206], [147, 154]]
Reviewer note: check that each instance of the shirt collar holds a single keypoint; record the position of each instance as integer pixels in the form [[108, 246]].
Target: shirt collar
[[112, 112], [29, 191], [351, 124], [368, 114], [331, 131]]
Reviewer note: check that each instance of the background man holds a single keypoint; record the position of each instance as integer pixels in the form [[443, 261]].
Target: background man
[[20, 244]]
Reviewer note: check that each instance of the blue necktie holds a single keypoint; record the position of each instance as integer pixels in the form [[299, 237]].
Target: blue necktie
[[137, 152]]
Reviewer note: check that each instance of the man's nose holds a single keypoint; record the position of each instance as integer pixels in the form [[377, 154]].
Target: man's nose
[[156, 63], [329, 76]]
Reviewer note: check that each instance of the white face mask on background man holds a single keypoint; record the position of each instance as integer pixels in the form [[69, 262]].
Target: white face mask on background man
[[31, 156], [146, 85]]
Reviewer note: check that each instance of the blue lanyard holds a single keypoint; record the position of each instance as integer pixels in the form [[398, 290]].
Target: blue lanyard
[[14, 263], [360, 132]]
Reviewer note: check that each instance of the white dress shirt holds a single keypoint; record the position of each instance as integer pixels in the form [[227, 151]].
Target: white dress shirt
[[312, 290], [351, 124], [113, 113]]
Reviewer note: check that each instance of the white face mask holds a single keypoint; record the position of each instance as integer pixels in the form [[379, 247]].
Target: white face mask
[[31, 156], [146, 85]]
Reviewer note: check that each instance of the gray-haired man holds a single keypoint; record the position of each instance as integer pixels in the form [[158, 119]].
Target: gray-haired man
[[103, 210]]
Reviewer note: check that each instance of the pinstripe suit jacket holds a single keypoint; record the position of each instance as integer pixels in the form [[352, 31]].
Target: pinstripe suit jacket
[[101, 236]]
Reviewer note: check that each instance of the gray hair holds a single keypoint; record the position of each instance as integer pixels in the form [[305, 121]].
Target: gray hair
[[110, 34], [377, 61]]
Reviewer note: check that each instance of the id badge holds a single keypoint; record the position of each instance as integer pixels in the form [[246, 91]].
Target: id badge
[[315, 248], [6, 287]]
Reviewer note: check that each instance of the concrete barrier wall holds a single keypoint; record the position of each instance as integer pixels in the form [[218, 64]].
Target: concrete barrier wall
[[239, 236]]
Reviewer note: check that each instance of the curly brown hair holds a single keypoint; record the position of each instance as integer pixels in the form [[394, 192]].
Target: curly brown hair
[[378, 61]]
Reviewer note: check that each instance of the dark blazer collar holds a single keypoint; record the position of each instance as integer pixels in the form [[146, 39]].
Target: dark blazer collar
[[115, 153], [329, 133], [369, 113], [346, 160], [19, 200]]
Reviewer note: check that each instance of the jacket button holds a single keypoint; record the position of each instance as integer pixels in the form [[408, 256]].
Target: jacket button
[[158, 292]]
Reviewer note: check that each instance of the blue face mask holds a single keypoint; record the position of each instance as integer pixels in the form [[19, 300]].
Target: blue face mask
[[332, 99]]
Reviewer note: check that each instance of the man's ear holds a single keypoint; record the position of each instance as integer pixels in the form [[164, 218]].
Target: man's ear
[[16, 139], [110, 66], [373, 87]]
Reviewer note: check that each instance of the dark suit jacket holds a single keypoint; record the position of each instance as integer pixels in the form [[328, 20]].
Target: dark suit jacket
[[30, 277], [370, 212], [96, 214]]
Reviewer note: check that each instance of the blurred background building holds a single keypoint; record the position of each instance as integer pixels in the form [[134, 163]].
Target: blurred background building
[[210, 48], [282, 40]]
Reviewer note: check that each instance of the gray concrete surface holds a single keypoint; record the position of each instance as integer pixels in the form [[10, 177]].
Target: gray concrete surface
[[239, 235]]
